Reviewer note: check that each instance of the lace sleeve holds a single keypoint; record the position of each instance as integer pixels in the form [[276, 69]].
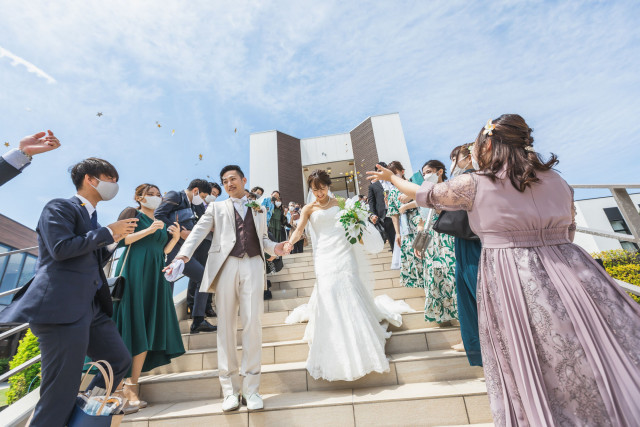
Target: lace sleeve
[[457, 194]]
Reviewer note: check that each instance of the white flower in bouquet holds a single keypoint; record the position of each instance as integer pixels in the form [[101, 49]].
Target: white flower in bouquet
[[352, 216]]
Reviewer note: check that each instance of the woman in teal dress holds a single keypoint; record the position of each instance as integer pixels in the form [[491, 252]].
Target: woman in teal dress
[[439, 261], [146, 316], [405, 220]]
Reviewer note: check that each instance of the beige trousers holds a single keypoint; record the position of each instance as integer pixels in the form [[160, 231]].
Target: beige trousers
[[240, 283]]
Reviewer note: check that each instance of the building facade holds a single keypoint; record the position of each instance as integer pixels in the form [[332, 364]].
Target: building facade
[[602, 214], [16, 269], [283, 162]]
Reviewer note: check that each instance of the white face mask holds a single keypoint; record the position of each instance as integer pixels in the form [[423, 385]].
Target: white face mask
[[210, 198], [278, 204], [152, 202], [107, 190], [197, 200], [431, 177], [475, 163]]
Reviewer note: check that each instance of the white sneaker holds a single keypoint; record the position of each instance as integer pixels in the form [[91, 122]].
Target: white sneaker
[[253, 402], [231, 402]]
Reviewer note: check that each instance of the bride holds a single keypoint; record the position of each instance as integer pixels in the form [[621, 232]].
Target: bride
[[347, 328]]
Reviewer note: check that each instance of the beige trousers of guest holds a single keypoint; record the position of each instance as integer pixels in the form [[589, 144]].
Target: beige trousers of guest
[[240, 283]]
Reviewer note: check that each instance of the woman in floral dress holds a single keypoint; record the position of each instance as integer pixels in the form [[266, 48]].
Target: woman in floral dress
[[439, 261], [560, 338], [406, 222]]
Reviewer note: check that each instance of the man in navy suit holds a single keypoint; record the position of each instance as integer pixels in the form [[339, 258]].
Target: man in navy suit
[[68, 304], [14, 161]]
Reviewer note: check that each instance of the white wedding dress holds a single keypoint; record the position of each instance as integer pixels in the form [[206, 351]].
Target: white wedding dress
[[347, 328]]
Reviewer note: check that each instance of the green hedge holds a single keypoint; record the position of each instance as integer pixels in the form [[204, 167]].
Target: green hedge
[[29, 379], [622, 265]]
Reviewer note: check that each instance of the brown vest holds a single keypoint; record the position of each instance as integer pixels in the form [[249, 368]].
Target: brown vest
[[247, 242]]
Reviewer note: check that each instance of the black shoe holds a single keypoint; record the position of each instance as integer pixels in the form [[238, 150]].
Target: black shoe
[[209, 312], [267, 295], [203, 326]]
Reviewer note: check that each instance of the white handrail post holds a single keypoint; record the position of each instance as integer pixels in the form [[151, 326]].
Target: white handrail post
[[629, 211]]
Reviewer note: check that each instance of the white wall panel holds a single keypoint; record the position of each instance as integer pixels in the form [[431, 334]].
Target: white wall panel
[[390, 141], [325, 149], [263, 161], [590, 214]]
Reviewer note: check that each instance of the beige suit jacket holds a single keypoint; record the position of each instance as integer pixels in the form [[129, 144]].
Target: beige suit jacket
[[220, 219]]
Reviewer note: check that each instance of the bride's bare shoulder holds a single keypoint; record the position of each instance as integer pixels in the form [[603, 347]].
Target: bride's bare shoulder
[[308, 209]]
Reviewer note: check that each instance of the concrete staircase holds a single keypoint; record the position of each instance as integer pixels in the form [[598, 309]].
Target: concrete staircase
[[428, 384]]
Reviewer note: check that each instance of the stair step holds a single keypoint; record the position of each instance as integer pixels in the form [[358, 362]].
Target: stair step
[[294, 268], [284, 332], [425, 366], [278, 318], [290, 277], [455, 402], [298, 350]]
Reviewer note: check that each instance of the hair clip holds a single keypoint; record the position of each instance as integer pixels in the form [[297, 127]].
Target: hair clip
[[488, 128]]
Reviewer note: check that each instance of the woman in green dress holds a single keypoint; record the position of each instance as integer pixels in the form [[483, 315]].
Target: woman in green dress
[[406, 219], [146, 315], [278, 219], [439, 261]]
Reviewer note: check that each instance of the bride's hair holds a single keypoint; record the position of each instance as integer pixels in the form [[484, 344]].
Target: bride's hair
[[318, 178]]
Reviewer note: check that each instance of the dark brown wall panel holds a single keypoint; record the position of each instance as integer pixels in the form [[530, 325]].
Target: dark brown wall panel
[[16, 235], [290, 169], [365, 152]]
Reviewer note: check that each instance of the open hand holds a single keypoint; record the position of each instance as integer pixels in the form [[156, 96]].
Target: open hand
[[156, 225], [174, 230], [123, 227], [404, 198], [185, 233], [40, 142], [384, 174], [169, 267]]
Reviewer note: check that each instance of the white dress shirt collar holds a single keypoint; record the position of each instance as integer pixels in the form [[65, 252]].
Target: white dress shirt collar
[[87, 205]]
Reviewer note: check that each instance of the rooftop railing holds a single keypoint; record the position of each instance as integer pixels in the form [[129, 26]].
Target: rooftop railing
[[628, 209]]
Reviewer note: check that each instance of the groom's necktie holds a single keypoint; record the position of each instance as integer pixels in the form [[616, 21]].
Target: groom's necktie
[[240, 205]]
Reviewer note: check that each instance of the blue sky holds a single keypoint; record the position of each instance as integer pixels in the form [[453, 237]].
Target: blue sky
[[308, 69]]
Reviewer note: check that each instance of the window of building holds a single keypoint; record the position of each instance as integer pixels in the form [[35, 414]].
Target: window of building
[[11, 275], [619, 225]]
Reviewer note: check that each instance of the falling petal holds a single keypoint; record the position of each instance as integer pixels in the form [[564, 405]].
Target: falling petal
[[173, 131], [200, 156], [235, 130], [6, 144], [158, 124], [99, 114]]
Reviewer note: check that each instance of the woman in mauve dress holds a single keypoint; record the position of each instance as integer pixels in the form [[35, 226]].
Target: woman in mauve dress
[[560, 339]]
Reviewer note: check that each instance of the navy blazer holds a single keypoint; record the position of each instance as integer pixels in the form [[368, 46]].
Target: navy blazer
[[7, 171], [377, 205], [69, 268]]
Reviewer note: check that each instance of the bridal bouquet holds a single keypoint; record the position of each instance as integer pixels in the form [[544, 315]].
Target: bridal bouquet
[[353, 216]]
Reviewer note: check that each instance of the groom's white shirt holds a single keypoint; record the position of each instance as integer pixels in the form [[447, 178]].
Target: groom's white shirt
[[220, 219]]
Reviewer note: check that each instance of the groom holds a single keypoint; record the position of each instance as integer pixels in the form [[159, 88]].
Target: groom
[[235, 271]]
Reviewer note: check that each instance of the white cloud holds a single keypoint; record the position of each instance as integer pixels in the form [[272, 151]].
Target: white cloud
[[16, 60], [312, 68]]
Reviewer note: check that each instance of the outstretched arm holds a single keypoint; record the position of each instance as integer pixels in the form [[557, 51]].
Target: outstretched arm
[[204, 225], [456, 194]]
